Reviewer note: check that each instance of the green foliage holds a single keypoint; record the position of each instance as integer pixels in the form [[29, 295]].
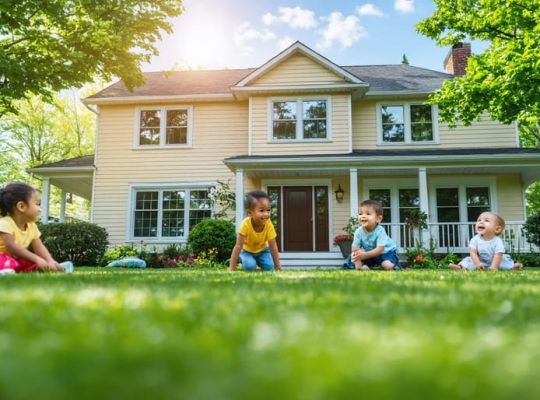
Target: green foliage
[[79, 242], [531, 228], [532, 196], [499, 79], [223, 200], [174, 334], [416, 218], [352, 225], [527, 259], [49, 46], [116, 253], [208, 259], [213, 234]]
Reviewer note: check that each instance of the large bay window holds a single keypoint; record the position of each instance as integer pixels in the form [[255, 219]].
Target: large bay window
[[167, 213], [406, 123], [163, 127], [299, 119]]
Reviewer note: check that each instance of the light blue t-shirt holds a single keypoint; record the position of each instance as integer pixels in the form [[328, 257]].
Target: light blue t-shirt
[[371, 240]]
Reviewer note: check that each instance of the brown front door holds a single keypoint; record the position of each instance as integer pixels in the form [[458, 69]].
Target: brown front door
[[297, 218]]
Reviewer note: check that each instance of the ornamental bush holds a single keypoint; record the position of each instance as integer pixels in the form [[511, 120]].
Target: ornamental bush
[[79, 242], [531, 229], [213, 234]]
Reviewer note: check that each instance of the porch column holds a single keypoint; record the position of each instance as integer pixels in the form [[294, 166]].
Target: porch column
[[239, 197], [63, 206], [45, 200], [424, 201], [353, 174]]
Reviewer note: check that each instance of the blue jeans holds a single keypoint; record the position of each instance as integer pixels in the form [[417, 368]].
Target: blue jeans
[[250, 260], [389, 256]]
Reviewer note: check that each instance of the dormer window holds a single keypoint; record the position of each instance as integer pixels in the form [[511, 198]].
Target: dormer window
[[163, 127], [406, 123], [299, 119]]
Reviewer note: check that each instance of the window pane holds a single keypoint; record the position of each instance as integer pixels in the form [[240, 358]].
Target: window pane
[[284, 129], [177, 117], [314, 109], [172, 223], [422, 132], [150, 121], [392, 115], [447, 197], [200, 207], [420, 113], [145, 219], [394, 133], [409, 198], [176, 136], [383, 197], [149, 136], [393, 123], [150, 118], [314, 129], [284, 110], [173, 200], [477, 202]]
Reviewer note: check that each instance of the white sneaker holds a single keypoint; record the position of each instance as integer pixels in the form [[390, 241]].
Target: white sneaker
[[364, 268], [7, 271], [68, 266]]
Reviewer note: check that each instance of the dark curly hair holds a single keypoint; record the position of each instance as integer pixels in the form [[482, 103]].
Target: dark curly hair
[[253, 197], [12, 193]]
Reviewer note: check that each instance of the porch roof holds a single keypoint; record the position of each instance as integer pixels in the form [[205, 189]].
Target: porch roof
[[526, 162], [73, 175]]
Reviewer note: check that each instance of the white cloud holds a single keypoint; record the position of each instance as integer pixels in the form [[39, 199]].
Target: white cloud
[[404, 6], [245, 34], [344, 30], [369, 9], [285, 42], [297, 18]]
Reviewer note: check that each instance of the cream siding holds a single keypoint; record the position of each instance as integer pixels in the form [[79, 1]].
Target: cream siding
[[483, 133], [509, 198], [261, 124], [297, 69], [219, 131]]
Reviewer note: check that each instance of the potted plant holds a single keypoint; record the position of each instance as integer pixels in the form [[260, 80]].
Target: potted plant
[[344, 240]]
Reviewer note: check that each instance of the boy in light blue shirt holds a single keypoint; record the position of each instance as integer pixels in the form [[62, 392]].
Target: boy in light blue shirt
[[371, 245]]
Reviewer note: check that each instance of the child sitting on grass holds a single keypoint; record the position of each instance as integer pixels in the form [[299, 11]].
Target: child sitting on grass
[[487, 248], [19, 207], [371, 245], [256, 240]]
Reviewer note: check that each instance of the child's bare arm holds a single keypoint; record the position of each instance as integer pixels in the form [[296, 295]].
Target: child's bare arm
[[236, 252], [41, 251], [20, 252], [496, 262], [275, 254], [364, 255], [476, 260]]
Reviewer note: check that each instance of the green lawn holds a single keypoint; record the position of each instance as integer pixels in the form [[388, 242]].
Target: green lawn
[[169, 334]]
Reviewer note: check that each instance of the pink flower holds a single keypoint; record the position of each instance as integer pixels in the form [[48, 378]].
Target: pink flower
[[419, 258]]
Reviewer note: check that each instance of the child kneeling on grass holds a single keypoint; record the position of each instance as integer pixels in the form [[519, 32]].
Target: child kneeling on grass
[[19, 207], [487, 248], [256, 240], [371, 245]]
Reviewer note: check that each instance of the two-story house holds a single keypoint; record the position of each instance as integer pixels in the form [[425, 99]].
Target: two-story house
[[318, 137]]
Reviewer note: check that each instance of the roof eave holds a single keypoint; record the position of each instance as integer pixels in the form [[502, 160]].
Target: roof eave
[[154, 99]]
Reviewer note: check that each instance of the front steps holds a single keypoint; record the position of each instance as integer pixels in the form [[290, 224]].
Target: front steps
[[291, 261]]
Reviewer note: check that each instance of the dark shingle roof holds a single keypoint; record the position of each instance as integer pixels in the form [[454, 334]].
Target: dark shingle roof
[[82, 161], [399, 78], [179, 83], [382, 78]]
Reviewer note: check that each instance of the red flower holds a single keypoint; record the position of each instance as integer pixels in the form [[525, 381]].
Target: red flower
[[419, 258], [341, 238]]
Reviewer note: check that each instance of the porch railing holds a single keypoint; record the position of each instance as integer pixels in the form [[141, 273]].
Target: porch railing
[[455, 236]]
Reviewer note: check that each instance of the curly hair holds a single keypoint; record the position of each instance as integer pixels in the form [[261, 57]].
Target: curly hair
[[11, 194]]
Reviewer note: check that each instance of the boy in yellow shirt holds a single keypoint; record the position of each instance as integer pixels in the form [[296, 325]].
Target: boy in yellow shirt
[[256, 240]]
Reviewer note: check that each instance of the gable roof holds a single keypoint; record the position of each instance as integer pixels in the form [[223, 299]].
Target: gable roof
[[228, 84]]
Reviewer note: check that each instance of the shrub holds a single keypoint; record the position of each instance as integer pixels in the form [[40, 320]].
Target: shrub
[[213, 234], [79, 242], [527, 259], [531, 229], [117, 253]]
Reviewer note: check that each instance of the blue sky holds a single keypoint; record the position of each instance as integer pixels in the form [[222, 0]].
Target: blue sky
[[216, 34]]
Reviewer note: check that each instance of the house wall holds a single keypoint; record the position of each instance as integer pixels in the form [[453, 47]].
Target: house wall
[[509, 198], [483, 133], [261, 125], [219, 131], [297, 69]]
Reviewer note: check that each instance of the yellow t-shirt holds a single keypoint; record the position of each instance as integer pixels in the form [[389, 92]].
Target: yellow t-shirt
[[21, 237], [255, 242]]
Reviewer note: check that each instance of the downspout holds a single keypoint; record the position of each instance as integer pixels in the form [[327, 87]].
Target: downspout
[[95, 111]]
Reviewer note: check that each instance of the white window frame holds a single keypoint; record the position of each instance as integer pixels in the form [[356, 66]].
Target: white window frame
[[299, 118], [394, 187], [162, 128], [462, 183], [407, 123], [160, 188]]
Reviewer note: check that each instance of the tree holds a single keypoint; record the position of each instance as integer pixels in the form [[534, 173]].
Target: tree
[[404, 59], [47, 46], [504, 80]]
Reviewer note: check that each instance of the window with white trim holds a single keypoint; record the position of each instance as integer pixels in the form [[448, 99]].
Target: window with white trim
[[406, 123], [168, 213], [300, 119], [163, 127]]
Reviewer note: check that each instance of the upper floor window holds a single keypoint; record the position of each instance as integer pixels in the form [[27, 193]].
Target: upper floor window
[[163, 127], [406, 123], [300, 119]]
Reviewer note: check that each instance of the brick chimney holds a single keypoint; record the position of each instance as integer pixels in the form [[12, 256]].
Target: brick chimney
[[455, 62]]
